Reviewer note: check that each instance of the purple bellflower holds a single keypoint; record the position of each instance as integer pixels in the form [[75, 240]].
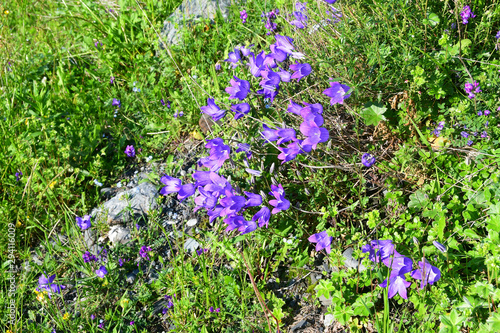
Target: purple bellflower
[[45, 284], [101, 272], [234, 58], [219, 153], [285, 44], [262, 217], [130, 151], [294, 108], [466, 14], [314, 134], [174, 185], [243, 16], [472, 89], [439, 246], [269, 134], [244, 147], [116, 102], [213, 110], [246, 51], [256, 64], [337, 93], [368, 160], [426, 273], [84, 223], [285, 134], [239, 88], [322, 240], [143, 252], [301, 70], [253, 200], [397, 285], [280, 203], [300, 20], [291, 152]]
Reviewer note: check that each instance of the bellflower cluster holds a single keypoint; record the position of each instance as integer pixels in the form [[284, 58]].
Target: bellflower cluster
[[472, 89], [384, 251], [213, 110], [368, 160], [239, 88], [268, 18], [101, 272], [143, 252], [45, 284], [466, 14], [300, 16], [130, 151], [243, 16], [88, 257], [439, 128], [84, 223]]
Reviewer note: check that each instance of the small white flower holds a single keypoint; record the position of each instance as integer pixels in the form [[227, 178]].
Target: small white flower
[[149, 158], [97, 183], [119, 184]]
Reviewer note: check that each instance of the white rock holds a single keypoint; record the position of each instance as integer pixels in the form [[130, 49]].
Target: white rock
[[328, 320]]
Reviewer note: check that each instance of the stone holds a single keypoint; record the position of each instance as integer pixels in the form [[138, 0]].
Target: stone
[[191, 223], [300, 325], [325, 301], [118, 234], [131, 276], [328, 321], [191, 245], [141, 200], [186, 15], [350, 262]]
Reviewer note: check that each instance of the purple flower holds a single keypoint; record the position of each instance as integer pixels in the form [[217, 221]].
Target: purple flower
[[285, 44], [294, 108], [397, 285], [18, 175], [244, 147], [232, 203], [132, 323], [314, 134], [301, 6], [234, 58], [162, 102], [239, 88], [284, 75], [219, 153], [472, 89], [280, 203], [322, 240], [143, 252], [97, 44], [101, 325], [331, 2], [101, 272], [300, 20], [484, 134], [120, 262], [480, 113], [464, 134], [92, 317], [269, 134], [211, 309], [84, 223], [470, 143], [426, 273], [213, 110], [253, 199], [301, 70], [378, 250], [337, 92], [270, 25], [368, 160], [116, 102], [439, 246], [112, 80], [262, 217], [289, 153], [256, 63], [46, 284], [277, 54], [130, 151], [398, 263], [466, 14], [285, 134], [217, 67], [246, 50], [175, 185], [487, 112], [243, 16], [88, 257], [217, 310]]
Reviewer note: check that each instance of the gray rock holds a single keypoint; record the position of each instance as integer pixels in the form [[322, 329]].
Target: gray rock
[[191, 245], [89, 236], [192, 222], [325, 301], [187, 13], [328, 321], [153, 276], [141, 199], [58, 239], [132, 275], [301, 324], [118, 234], [350, 262]]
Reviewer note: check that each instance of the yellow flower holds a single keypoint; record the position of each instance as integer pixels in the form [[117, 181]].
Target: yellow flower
[[6, 12], [124, 303], [66, 316], [9, 331], [41, 296], [19, 224], [52, 184]]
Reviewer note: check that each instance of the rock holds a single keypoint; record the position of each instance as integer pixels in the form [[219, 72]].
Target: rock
[[153, 276], [191, 223], [118, 234], [131, 276], [89, 236], [328, 321], [325, 301], [191, 245], [350, 262], [300, 325], [141, 199], [187, 13]]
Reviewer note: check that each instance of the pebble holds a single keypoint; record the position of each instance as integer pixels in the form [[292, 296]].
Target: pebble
[[328, 320], [192, 222], [191, 245]]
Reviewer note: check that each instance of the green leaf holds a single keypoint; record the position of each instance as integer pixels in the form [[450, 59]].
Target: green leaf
[[373, 113], [433, 19], [343, 314], [471, 233], [324, 287], [418, 200]]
